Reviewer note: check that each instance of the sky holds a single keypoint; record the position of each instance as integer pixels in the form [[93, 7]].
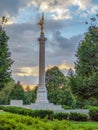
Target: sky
[[64, 29]]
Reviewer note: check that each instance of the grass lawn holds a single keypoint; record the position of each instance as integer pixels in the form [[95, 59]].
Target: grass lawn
[[90, 125], [9, 121], [3, 113]]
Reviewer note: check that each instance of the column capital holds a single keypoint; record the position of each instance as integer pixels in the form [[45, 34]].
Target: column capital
[[42, 38]]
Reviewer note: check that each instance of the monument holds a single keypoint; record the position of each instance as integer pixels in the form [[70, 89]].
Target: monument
[[41, 91], [42, 100]]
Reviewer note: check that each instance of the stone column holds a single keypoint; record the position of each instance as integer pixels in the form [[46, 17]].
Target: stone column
[[42, 91]]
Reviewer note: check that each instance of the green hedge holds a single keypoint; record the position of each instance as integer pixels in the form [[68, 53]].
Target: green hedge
[[45, 113], [93, 113], [60, 116], [78, 116], [29, 112]]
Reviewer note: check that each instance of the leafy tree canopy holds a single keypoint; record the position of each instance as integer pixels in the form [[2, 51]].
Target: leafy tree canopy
[[55, 79]]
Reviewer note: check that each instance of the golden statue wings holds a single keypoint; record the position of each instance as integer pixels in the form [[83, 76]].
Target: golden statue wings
[[41, 23]]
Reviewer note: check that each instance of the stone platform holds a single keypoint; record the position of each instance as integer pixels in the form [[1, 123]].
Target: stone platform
[[46, 106]]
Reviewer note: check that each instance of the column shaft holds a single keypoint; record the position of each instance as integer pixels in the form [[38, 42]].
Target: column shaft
[[41, 64]]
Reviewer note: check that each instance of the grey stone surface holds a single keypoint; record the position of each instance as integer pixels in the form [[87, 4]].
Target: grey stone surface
[[16, 102], [46, 106]]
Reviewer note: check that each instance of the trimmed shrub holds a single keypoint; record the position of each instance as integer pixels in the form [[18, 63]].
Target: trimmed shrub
[[78, 116], [60, 116], [20, 122], [93, 113], [42, 113], [66, 107], [29, 112]]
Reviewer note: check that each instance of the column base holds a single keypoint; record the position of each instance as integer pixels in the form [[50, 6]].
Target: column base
[[41, 95]]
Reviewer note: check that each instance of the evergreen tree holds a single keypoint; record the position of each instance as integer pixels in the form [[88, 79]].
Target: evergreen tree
[[87, 53], [85, 83], [5, 60]]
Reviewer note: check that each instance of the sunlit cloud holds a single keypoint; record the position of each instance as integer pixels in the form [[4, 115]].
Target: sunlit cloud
[[31, 87], [44, 6], [61, 14], [34, 71], [65, 66], [27, 71], [61, 66]]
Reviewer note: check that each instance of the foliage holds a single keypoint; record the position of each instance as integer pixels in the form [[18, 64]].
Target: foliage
[[90, 102], [5, 93], [29, 112], [55, 79], [17, 122], [93, 112], [14, 121], [60, 116], [87, 54], [58, 89], [18, 93], [84, 84], [63, 97], [66, 107], [85, 87], [29, 97], [5, 60], [78, 116]]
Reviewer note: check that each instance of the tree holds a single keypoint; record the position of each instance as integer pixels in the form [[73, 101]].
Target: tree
[[58, 89], [5, 93], [27, 88], [84, 83], [5, 60], [18, 93], [87, 53], [55, 79], [62, 97], [29, 96]]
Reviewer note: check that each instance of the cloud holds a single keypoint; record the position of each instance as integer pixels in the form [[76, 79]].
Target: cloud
[[9, 8], [64, 45], [27, 71], [61, 14], [86, 7], [59, 9], [34, 71]]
